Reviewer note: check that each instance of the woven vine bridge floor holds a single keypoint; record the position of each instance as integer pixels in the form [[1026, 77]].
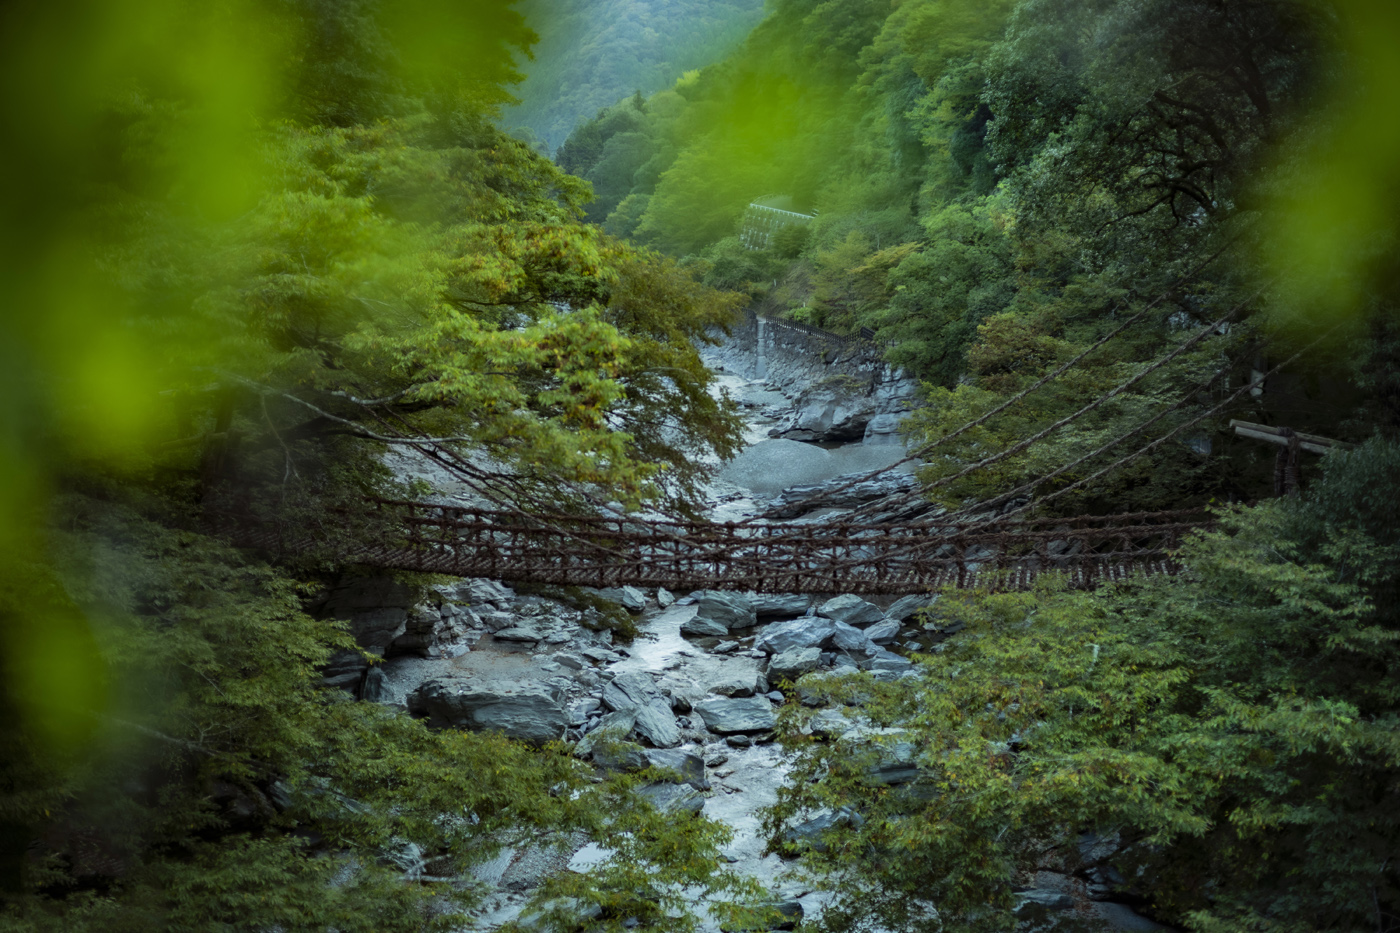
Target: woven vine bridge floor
[[817, 557]]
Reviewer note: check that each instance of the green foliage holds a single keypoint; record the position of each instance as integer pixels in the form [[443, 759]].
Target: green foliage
[[1233, 729], [263, 243]]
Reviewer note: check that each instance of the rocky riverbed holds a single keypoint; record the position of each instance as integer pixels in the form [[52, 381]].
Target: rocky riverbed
[[694, 692]]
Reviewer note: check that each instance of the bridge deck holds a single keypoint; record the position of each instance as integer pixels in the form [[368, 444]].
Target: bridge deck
[[773, 558]]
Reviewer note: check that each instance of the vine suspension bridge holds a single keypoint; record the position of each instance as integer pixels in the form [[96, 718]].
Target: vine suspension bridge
[[765, 557]]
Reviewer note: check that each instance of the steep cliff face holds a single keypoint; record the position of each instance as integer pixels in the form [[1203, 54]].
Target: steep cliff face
[[842, 388]]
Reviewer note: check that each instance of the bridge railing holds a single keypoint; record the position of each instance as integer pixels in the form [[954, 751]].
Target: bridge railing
[[770, 557]]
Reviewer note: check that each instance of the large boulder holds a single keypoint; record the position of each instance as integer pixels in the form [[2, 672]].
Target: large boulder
[[840, 492], [851, 609], [629, 597], [635, 692], [852, 640], [726, 715], [793, 663], [376, 608], [531, 712], [703, 627], [883, 632], [807, 632], [673, 799], [906, 606], [895, 759], [779, 605], [809, 832], [688, 766], [731, 610], [736, 677], [831, 411]]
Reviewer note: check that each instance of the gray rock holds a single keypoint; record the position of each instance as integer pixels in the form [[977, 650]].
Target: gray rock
[[807, 833], [629, 597], [376, 608], [884, 429], [570, 660], [840, 492], [895, 755], [629, 690], [429, 630], [807, 632], [829, 724], [905, 607], [726, 715], [850, 639], [883, 632], [530, 712], [688, 765], [891, 663], [1044, 898], [831, 411], [480, 591], [731, 610], [851, 609], [703, 627], [635, 692], [664, 598], [793, 663], [736, 677], [525, 633], [375, 689], [674, 799], [771, 605]]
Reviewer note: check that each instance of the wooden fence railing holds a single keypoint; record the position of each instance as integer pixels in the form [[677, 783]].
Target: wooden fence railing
[[769, 557]]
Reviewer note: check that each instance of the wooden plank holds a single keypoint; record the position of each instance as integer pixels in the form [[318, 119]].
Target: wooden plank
[[1312, 443]]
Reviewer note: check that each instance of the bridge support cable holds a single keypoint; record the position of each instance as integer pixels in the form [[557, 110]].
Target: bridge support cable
[[1122, 387], [923, 451], [1185, 399], [1143, 451]]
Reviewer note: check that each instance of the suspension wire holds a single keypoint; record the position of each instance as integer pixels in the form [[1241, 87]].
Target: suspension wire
[[1143, 451], [1000, 520], [1027, 487], [1016, 448], [921, 452]]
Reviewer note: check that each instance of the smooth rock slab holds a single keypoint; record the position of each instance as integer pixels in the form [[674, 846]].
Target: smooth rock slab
[[702, 627], [807, 632], [530, 712], [851, 609], [737, 677], [767, 605], [793, 663], [726, 715], [908, 605], [519, 633], [674, 799], [883, 632], [731, 610], [850, 639], [689, 765]]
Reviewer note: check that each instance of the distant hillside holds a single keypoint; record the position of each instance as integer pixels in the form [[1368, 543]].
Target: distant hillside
[[593, 52]]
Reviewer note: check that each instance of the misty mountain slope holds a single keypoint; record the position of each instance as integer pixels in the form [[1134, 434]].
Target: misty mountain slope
[[593, 52]]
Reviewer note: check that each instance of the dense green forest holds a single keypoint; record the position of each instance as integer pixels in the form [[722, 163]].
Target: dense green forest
[[252, 246], [244, 276], [996, 187], [591, 52]]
